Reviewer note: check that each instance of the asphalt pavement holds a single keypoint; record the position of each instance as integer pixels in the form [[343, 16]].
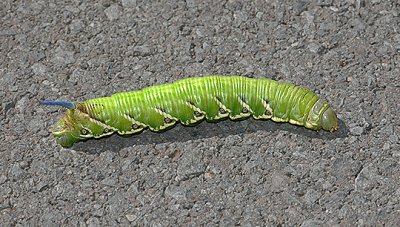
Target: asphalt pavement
[[246, 173]]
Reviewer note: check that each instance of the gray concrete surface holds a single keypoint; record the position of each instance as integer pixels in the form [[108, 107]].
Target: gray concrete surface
[[249, 173]]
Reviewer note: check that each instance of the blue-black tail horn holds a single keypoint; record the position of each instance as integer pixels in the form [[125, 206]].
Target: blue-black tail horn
[[69, 105]]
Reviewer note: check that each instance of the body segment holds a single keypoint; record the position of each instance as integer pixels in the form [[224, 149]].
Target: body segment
[[191, 100]]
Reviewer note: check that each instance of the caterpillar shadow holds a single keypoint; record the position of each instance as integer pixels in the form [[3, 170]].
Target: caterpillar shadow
[[221, 129]]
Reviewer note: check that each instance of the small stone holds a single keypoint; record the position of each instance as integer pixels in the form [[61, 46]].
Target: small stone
[[352, 139], [34, 125], [93, 222], [191, 3], [190, 165], [131, 217], [240, 16], [396, 153], [16, 171], [327, 186], [175, 192], [98, 212], [365, 179], [324, 2], [393, 139], [112, 12], [300, 6], [21, 104], [41, 186], [63, 57], [129, 3], [46, 82], [24, 164], [315, 48], [310, 223], [76, 76], [5, 205], [311, 196], [7, 105], [209, 175], [76, 26], [13, 88], [141, 51], [358, 24], [278, 181], [109, 181], [357, 130], [255, 179], [39, 69], [386, 146], [127, 164], [3, 179]]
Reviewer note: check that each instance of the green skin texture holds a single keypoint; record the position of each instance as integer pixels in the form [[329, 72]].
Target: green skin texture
[[189, 101]]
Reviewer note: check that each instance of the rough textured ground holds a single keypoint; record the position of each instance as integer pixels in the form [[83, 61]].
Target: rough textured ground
[[248, 173]]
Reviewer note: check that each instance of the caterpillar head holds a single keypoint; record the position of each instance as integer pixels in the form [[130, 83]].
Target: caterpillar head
[[329, 120], [322, 116]]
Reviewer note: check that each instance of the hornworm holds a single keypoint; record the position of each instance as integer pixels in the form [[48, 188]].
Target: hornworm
[[189, 101]]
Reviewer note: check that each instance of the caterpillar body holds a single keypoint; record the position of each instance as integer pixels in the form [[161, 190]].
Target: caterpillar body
[[189, 101]]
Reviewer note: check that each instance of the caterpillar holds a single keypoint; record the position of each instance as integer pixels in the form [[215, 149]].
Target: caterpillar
[[189, 101]]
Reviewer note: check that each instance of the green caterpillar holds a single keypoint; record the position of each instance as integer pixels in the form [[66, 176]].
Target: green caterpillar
[[189, 101]]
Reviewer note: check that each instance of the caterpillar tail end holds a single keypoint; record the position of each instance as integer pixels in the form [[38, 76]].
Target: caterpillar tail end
[[65, 130], [69, 105]]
